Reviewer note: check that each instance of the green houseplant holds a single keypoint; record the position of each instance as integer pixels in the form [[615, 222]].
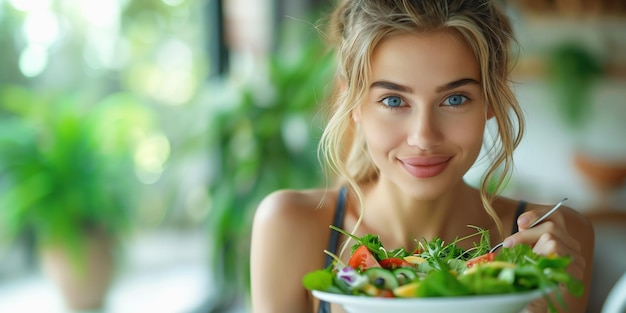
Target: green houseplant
[[573, 71], [263, 139], [66, 176]]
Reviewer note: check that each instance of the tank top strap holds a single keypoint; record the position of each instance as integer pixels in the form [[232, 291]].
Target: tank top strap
[[340, 209], [521, 208], [333, 242]]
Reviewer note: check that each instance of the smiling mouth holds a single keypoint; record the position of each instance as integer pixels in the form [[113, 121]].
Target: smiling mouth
[[425, 167]]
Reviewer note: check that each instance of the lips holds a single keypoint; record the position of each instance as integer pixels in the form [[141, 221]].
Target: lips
[[425, 167]]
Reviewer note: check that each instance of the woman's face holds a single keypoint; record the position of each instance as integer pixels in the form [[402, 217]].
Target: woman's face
[[423, 115]]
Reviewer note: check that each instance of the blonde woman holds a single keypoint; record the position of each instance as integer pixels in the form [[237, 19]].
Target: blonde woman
[[417, 82]]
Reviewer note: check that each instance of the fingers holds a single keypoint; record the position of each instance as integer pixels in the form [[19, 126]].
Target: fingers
[[546, 237], [549, 244], [549, 237], [552, 238], [526, 219]]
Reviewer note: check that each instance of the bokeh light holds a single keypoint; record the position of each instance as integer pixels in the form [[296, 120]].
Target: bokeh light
[[33, 60]]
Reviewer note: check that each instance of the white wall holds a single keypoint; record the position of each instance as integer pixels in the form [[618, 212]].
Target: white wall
[[544, 160], [545, 172]]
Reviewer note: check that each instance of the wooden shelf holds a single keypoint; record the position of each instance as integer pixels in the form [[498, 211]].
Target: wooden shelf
[[569, 8], [535, 67]]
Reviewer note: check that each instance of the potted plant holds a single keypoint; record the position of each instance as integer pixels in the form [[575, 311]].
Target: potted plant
[[66, 177], [263, 138], [574, 73]]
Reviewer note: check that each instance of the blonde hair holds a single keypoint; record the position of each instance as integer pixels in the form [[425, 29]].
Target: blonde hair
[[357, 26]]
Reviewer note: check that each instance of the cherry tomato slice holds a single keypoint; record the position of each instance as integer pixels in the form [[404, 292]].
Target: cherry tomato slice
[[487, 257], [393, 263], [363, 259]]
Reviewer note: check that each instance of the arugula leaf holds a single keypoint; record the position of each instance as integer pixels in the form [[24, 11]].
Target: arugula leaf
[[518, 254], [398, 253], [529, 277], [437, 249], [480, 248], [438, 253], [574, 286], [553, 262], [457, 265], [372, 242]]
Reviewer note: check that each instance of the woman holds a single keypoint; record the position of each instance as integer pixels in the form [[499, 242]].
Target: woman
[[417, 82]]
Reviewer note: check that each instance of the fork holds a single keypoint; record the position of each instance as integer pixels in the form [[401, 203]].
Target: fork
[[539, 220]]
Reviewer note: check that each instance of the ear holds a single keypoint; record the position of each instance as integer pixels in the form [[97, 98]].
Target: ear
[[356, 115], [342, 85], [490, 113]]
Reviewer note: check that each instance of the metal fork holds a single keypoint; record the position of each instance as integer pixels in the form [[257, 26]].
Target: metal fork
[[539, 220]]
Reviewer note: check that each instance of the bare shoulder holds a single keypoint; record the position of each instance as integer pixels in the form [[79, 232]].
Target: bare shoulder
[[288, 225], [292, 217], [294, 206]]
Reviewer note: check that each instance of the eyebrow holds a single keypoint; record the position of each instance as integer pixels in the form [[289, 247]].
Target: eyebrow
[[401, 88], [391, 86], [457, 84]]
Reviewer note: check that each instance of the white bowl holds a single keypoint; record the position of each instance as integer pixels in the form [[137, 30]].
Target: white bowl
[[503, 303]]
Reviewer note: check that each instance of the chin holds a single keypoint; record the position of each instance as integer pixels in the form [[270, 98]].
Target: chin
[[432, 188]]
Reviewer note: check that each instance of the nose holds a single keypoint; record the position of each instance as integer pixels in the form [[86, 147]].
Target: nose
[[424, 130]]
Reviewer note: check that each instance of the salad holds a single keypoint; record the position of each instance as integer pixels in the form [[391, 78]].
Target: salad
[[438, 269]]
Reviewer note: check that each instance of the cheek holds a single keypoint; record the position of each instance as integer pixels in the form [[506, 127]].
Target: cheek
[[382, 136], [467, 133]]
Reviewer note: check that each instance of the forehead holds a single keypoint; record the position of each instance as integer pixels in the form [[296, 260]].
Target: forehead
[[424, 59]]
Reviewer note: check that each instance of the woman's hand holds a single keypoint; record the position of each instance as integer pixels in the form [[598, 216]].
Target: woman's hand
[[549, 237], [564, 233]]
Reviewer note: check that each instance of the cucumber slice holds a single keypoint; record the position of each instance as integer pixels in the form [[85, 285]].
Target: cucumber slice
[[381, 278], [404, 275]]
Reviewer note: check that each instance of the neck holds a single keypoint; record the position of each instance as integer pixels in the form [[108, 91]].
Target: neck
[[400, 220]]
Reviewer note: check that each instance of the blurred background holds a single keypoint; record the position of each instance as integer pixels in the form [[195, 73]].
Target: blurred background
[[137, 137]]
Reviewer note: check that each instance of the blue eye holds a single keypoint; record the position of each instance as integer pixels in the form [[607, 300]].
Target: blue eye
[[392, 101], [455, 100]]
